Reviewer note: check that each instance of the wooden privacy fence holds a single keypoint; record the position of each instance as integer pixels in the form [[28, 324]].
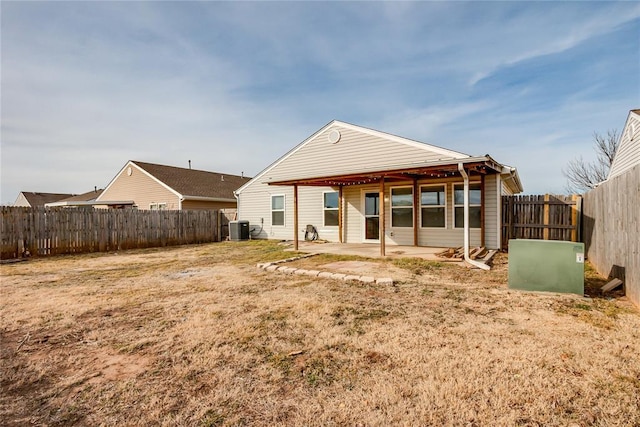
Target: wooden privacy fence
[[53, 231], [224, 216], [544, 217], [612, 230]]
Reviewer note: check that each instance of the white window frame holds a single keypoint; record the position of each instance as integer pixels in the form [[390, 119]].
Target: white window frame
[[337, 209], [471, 205], [157, 206], [435, 206], [391, 207], [283, 210]]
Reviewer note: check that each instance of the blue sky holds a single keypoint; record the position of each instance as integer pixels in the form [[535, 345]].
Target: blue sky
[[231, 86]]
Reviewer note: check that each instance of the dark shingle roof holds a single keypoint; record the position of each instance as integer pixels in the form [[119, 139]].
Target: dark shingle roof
[[40, 199], [195, 183], [84, 197]]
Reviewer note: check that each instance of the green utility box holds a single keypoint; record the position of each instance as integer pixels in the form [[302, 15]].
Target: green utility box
[[546, 265]]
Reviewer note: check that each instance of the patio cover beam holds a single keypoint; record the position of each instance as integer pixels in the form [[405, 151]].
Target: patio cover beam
[[381, 208], [475, 166]]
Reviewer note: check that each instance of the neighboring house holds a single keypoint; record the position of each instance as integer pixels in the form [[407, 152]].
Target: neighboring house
[[628, 152], [152, 186], [354, 184], [33, 199]]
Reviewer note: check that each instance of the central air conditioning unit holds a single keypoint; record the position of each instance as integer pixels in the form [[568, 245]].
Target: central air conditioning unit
[[238, 230]]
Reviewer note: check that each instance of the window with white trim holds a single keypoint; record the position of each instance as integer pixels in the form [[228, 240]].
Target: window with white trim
[[277, 210], [402, 207], [433, 207], [330, 201], [157, 206], [475, 200]]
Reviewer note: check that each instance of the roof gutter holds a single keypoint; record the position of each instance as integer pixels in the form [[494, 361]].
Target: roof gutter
[[90, 203], [510, 174], [207, 199], [475, 263]]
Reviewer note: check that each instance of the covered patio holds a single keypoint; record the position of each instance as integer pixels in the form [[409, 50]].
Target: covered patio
[[414, 172]]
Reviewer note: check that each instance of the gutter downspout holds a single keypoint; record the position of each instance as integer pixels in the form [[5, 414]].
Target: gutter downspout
[[466, 221]]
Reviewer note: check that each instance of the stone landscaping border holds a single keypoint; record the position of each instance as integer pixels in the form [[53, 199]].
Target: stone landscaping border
[[276, 266]]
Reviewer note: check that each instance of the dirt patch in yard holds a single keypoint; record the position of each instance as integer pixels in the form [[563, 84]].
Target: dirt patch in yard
[[197, 335], [365, 268]]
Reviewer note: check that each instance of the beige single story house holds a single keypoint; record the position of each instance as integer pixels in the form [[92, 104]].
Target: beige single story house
[[359, 185], [33, 199], [152, 186]]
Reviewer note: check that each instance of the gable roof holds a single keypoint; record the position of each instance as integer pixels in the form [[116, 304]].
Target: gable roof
[[442, 152], [628, 152], [190, 183], [40, 199], [374, 156], [84, 197]]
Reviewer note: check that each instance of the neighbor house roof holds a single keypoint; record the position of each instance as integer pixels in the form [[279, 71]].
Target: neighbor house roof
[[84, 197], [40, 199], [192, 183]]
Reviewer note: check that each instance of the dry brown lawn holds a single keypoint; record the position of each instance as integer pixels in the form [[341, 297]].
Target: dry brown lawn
[[197, 336]]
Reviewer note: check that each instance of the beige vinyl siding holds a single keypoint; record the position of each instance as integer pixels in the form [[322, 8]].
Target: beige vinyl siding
[[140, 188], [628, 153], [354, 213], [491, 212], [354, 152], [21, 201], [255, 206]]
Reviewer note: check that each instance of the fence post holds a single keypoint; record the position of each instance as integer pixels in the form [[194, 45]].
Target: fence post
[[545, 222], [511, 233]]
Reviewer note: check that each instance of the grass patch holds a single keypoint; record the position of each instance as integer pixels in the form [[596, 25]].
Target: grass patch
[[417, 266], [196, 335]]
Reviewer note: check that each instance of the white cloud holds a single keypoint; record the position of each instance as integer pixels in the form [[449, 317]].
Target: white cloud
[[231, 86]]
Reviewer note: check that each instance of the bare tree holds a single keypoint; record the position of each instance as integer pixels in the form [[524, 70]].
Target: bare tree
[[583, 176]]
